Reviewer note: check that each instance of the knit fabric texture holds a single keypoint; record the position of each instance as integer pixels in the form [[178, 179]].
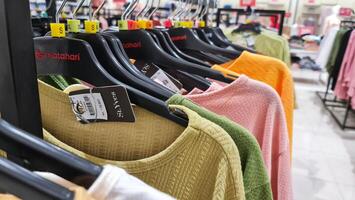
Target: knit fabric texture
[[255, 178], [272, 72], [256, 107], [199, 161]]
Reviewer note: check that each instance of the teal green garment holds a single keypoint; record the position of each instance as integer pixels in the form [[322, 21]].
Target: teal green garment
[[58, 81], [256, 181], [334, 51]]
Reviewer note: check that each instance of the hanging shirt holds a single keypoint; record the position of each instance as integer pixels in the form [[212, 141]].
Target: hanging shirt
[[257, 107], [255, 178], [199, 161], [345, 86], [334, 51], [114, 184], [272, 72], [339, 58], [273, 45], [325, 48], [267, 43]]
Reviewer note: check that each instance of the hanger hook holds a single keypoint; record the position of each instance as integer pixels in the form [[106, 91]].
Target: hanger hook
[[205, 9], [155, 9], [188, 10], [181, 7], [148, 9], [123, 16], [132, 10], [60, 10], [80, 4], [98, 9], [183, 10], [141, 11], [177, 9], [90, 10], [197, 11]]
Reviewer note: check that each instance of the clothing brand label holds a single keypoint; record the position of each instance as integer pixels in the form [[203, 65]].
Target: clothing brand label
[[158, 75], [40, 55], [132, 45], [102, 104], [179, 38]]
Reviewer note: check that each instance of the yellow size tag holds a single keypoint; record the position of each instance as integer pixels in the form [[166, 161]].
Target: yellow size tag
[[142, 24], [91, 26], [73, 25], [57, 30], [149, 24], [123, 25], [202, 24], [189, 24], [177, 24]]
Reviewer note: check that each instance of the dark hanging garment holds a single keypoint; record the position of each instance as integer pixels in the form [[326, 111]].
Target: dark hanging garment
[[339, 58]]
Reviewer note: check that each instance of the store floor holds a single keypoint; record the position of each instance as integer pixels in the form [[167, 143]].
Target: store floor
[[323, 154]]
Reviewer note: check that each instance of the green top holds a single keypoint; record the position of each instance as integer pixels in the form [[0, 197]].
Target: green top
[[267, 42], [334, 51], [273, 45], [58, 81], [256, 181]]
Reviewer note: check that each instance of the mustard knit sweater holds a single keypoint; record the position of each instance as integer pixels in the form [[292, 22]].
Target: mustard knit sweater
[[200, 161]]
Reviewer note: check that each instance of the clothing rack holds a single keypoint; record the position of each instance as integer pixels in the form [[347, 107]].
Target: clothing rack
[[19, 102], [330, 102], [347, 22], [271, 13]]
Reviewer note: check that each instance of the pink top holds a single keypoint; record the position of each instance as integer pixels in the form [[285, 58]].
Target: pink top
[[257, 107], [345, 86]]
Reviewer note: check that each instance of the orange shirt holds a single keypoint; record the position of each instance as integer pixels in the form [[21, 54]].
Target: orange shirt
[[226, 72], [272, 72]]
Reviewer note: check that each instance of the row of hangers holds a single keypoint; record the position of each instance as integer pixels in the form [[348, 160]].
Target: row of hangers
[[105, 61]]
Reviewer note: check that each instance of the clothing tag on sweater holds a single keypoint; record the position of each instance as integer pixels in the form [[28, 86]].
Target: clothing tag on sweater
[[250, 41], [102, 104], [159, 76]]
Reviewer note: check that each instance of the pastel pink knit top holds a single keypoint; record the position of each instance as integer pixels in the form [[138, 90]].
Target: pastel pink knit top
[[257, 107], [345, 86]]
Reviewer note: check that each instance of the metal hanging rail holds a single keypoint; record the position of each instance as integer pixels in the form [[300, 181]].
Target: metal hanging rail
[[19, 99]]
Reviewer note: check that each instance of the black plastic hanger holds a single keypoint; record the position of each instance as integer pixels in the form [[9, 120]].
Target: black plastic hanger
[[86, 67], [114, 42], [189, 81], [180, 53], [217, 36], [39, 155], [140, 45], [110, 63], [253, 27], [202, 35], [25, 184], [184, 38]]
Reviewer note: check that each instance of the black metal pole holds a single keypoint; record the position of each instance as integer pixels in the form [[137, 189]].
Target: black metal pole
[[19, 100], [51, 9], [282, 21], [218, 17]]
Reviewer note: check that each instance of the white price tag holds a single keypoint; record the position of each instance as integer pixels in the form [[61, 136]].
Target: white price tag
[[89, 107], [161, 78]]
